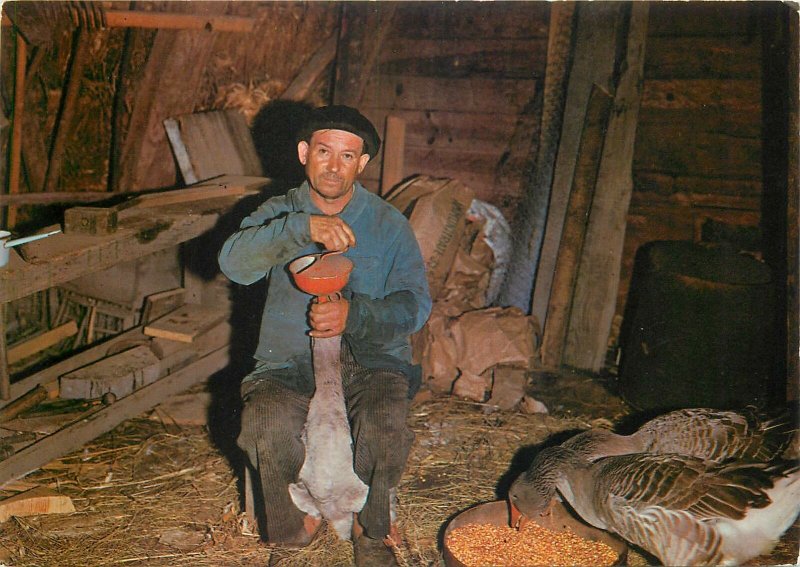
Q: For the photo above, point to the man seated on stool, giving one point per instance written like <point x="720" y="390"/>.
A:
<point x="385" y="301"/>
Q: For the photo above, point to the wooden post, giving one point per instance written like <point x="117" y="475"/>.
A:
<point x="572" y="238"/>
<point x="394" y="145"/>
<point x="595" y="297"/>
<point x="302" y="83"/>
<point x="16" y="129"/>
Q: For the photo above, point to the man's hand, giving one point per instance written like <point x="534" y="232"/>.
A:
<point x="328" y="319"/>
<point x="332" y="232"/>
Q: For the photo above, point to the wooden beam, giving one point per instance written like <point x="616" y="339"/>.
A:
<point x="16" y="126"/>
<point x="161" y="20"/>
<point x="599" y="26"/>
<point x="362" y="32"/>
<point x="531" y="218"/>
<point x="35" y="502"/>
<point x="105" y="418"/>
<point x="41" y="342"/>
<point x="300" y="87"/>
<point x="142" y="164"/>
<point x="573" y="234"/>
<point x="394" y="145"/>
<point x="595" y="297"/>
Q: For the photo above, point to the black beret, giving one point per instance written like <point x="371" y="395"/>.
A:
<point x="340" y="117"/>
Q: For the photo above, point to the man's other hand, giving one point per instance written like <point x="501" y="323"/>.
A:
<point x="332" y="232"/>
<point x="328" y="319"/>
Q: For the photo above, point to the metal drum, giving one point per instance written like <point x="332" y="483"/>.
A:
<point x="699" y="329"/>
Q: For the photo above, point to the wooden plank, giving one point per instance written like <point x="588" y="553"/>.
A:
<point x="120" y="374"/>
<point x="142" y="163"/>
<point x="35" y="502"/>
<point x="159" y="304"/>
<point x="50" y="374"/>
<point x="142" y="19"/>
<point x="37" y="344"/>
<point x="394" y="145"/>
<point x="735" y="193"/>
<point x="573" y="234"/>
<point x="68" y="257"/>
<point x="705" y="19"/>
<point x="740" y="95"/>
<point x="105" y="418"/>
<point x="216" y="142"/>
<point x="301" y="85"/>
<point x="453" y="58"/>
<point x="682" y="150"/>
<point x="468" y="20"/>
<point x="593" y="57"/>
<point x="185" y="323"/>
<point x="463" y="131"/>
<point x="472" y="94"/>
<point x="15" y="152"/>
<point x="364" y="28"/>
<point x="709" y="120"/>
<point x="595" y="296"/>
<point x="731" y="57"/>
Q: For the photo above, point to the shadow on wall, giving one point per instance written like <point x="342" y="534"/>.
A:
<point x="274" y="132"/>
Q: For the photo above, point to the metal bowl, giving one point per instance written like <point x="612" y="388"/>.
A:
<point x="497" y="514"/>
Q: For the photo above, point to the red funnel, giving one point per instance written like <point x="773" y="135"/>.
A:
<point x="324" y="275"/>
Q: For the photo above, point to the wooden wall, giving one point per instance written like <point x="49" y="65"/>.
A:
<point x="465" y="77"/>
<point x="698" y="143"/>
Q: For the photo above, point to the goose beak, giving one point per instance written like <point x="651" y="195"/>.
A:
<point x="518" y="519"/>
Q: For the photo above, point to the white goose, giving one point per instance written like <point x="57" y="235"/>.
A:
<point x="683" y="510"/>
<point x="704" y="433"/>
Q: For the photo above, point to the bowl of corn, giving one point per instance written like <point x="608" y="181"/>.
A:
<point x="481" y="536"/>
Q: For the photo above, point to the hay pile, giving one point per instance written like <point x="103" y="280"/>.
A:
<point x="151" y="493"/>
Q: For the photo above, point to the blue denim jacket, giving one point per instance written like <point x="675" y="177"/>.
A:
<point x="387" y="290"/>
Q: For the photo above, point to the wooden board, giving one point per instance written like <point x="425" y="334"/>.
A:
<point x="184" y="409"/>
<point x="47" y="339"/>
<point x="185" y="323"/>
<point x="106" y="418"/>
<point x="35" y="502"/>
<point x="596" y="37"/>
<point x="595" y="296"/>
<point x="572" y="237"/>
<point x="120" y="374"/>
<point x="216" y="143"/>
<point x="159" y="304"/>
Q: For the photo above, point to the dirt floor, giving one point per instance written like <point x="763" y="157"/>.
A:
<point x="152" y="492"/>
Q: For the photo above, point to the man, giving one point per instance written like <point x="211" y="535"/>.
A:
<point x="385" y="301"/>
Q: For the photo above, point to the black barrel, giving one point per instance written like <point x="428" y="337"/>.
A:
<point x="699" y="328"/>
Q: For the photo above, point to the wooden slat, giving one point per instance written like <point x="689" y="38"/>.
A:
<point x="217" y="143"/>
<point x="120" y="374"/>
<point x="732" y="57"/>
<point x="452" y="58"/>
<point x="394" y="145"/>
<point x="463" y="131"/>
<point x="715" y="19"/>
<point x="472" y="20"/>
<point x="301" y="85"/>
<point x="41" y="342"/>
<point x="142" y="19"/>
<point x="475" y="94"/>
<point x="573" y="234"/>
<point x="185" y="323"/>
<point x="685" y="151"/>
<point x="735" y="193"/>
<point x="104" y="419"/>
<point x="35" y="502"/>
<point x="740" y="95"/>
<point x="596" y="37"/>
<point x="595" y="296"/>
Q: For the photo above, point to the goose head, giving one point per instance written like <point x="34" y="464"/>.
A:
<point x="533" y="492"/>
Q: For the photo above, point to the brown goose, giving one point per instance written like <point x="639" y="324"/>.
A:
<point x="698" y="432"/>
<point x="683" y="510"/>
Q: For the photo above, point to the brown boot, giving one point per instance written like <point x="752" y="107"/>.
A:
<point x="370" y="552"/>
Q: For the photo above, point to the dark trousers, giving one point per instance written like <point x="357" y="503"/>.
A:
<point x="272" y="421"/>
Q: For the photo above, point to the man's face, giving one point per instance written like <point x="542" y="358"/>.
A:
<point x="333" y="160"/>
